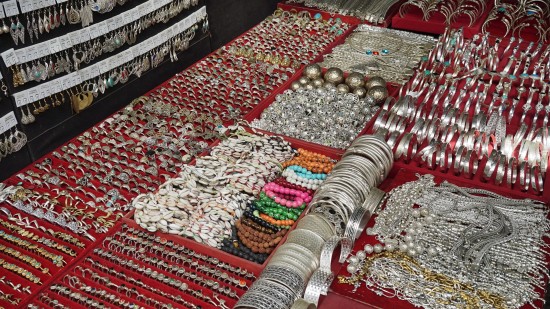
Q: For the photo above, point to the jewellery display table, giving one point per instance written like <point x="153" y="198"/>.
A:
<point x="112" y="262"/>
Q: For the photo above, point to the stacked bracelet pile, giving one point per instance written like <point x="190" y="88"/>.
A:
<point x="301" y="267"/>
<point x="278" y="207"/>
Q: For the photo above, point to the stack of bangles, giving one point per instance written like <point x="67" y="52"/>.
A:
<point x="278" y="207"/>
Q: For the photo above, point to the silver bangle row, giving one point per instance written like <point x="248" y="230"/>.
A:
<point x="338" y="212"/>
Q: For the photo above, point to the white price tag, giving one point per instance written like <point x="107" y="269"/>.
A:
<point x="94" y="71"/>
<point x="114" y="62"/>
<point x="74" y="37"/>
<point x="202" y="11"/>
<point x="10" y="7"/>
<point x="111" y="24"/>
<point x="118" y="21"/>
<point x="85" y="35"/>
<point x="158" y="39"/>
<point x="169" y="33"/>
<point x="26" y="5"/>
<point x="42" y="50"/>
<point x="148" y="45"/>
<point x="2" y="14"/>
<point x="41" y="4"/>
<point x="65" y="82"/>
<point x="65" y="42"/>
<point x="103" y="66"/>
<point x="9" y="120"/>
<point x="56" y="85"/>
<point x="156" y="4"/>
<point x="75" y="79"/>
<point x="44" y="90"/>
<point x="150" y="6"/>
<point x="22" y="55"/>
<point x="61" y="1"/>
<point x="134" y="13"/>
<point x="94" y="31"/>
<point x="50" y="2"/>
<point x="127" y="55"/>
<point x="83" y="73"/>
<point x="33" y="94"/>
<point x="55" y="45"/>
<point x="127" y="17"/>
<point x="142" y="9"/>
<point x="103" y="28"/>
<point x="136" y="50"/>
<point x="9" y="57"/>
<point x="31" y="52"/>
<point x="21" y="98"/>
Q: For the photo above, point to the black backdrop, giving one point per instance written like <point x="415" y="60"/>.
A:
<point x="227" y="19"/>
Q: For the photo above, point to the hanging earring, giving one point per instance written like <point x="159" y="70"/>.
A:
<point x="14" y="32"/>
<point x="63" y="15"/>
<point x="8" y="144"/>
<point x="20" y="139"/>
<point x="34" y="27"/>
<point x="21" y="31"/>
<point x="24" y="118"/>
<point x="29" y="25"/>
<point x="35" y="111"/>
<point x="86" y="14"/>
<point x="5" y="28"/>
<point x="30" y="116"/>
<point x="51" y="68"/>
<point x="4" y="88"/>
<point x="46" y="21"/>
<point x="73" y="17"/>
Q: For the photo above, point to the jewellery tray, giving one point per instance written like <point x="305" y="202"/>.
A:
<point x="342" y="293"/>
<point x="413" y="21"/>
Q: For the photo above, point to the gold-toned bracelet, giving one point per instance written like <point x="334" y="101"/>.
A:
<point x="57" y="260"/>
<point x="43" y="240"/>
<point x="25" y="258"/>
<point x="20" y="271"/>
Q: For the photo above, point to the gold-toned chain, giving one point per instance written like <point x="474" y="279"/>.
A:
<point x="54" y="258"/>
<point x="470" y="295"/>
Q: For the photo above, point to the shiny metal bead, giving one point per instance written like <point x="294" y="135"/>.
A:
<point x="303" y="80"/>
<point x="313" y="71"/>
<point x="318" y="82"/>
<point x="343" y="88"/>
<point x="360" y="92"/>
<point x="295" y="85"/>
<point x="378" y="93"/>
<point x="355" y="80"/>
<point x="334" y="76"/>
<point x="375" y="81"/>
<point x="329" y="86"/>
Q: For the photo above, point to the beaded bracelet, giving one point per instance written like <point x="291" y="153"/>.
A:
<point x="304" y="173"/>
<point x="283" y="182"/>
<point x="271" y="189"/>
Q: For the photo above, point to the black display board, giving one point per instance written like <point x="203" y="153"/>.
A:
<point x="227" y="20"/>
